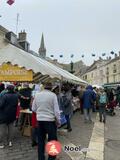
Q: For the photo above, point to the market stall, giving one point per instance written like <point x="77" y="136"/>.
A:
<point x="19" y="65"/>
<point x="17" y="56"/>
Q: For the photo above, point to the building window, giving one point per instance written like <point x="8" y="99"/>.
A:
<point x="114" y="78"/>
<point x="107" y="70"/>
<point x="92" y="75"/>
<point x="114" y="68"/>
<point x="101" y="72"/>
<point x="107" y="79"/>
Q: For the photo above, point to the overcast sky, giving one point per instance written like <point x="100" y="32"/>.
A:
<point x="69" y="26"/>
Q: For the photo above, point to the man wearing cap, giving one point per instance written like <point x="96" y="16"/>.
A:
<point x="45" y="105"/>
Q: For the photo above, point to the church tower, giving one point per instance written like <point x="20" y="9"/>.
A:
<point x="42" y="49"/>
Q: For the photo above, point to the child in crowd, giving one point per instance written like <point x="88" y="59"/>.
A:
<point x="102" y="105"/>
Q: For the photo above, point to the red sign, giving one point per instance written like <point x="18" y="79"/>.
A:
<point x="10" y="2"/>
<point x="53" y="148"/>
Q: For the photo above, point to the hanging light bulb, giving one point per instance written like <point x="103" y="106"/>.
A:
<point x="10" y="2"/>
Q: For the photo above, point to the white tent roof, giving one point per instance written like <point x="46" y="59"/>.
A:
<point x="15" y="55"/>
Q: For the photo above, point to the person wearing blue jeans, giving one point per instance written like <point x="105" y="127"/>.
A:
<point x="67" y="117"/>
<point x="88" y="98"/>
<point x="66" y="104"/>
<point x="102" y="113"/>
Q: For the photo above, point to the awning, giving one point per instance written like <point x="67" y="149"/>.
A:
<point x="15" y="55"/>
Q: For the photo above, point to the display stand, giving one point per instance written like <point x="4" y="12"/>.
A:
<point x="26" y="128"/>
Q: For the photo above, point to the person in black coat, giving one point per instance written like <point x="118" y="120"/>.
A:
<point x="2" y="87"/>
<point x="8" y="108"/>
<point x="25" y="94"/>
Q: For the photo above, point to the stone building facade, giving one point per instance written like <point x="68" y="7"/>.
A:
<point x="3" y="32"/>
<point x="103" y="71"/>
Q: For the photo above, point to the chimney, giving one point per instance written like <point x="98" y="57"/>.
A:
<point x="11" y="37"/>
<point x="22" y="40"/>
<point x="109" y="58"/>
<point x="55" y="61"/>
<point x="119" y="53"/>
<point x="22" y="36"/>
<point x="115" y="55"/>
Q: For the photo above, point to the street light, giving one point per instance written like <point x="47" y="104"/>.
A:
<point x="71" y="64"/>
<point x="71" y="67"/>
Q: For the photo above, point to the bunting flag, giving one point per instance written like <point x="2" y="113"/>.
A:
<point x="93" y="55"/>
<point x="112" y="52"/>
<point x="72" y="55"/>
<point x="82" y="55"/>
<point x="10" y="2"/>
<point x="61" y="56"/>
<point x="52" y="55"/>
<point x="103" y="54"/>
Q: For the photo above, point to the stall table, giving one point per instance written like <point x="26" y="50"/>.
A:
<point x="26" y="128"/>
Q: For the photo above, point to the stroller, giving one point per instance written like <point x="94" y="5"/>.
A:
<point x="110" y="108"/>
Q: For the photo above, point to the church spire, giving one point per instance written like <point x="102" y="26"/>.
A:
<point x="42" y="49"/>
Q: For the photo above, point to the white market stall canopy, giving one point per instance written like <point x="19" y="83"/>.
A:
<point x="15" y="55"/>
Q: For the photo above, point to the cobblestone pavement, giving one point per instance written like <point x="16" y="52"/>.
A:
<point x="22" y="149"/>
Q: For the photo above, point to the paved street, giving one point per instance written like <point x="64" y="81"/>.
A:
<point x="112" y="137"/>
<point x="22" y="149"/>
<point x="84" y="135"/>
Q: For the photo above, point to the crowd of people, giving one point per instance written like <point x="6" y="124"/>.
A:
<point x="46" y="104"/>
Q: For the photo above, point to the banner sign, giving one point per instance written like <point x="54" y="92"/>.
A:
<point x="10" y="72"/>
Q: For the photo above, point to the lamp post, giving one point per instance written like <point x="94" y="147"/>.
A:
<point x="72" y="64"/>
<point x="71" y="67"/>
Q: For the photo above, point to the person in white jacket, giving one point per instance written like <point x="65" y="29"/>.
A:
<point x="45" y="104"/>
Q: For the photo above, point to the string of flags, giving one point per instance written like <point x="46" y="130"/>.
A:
<point x="10" y="2"/>
<point x="93" y="55"/>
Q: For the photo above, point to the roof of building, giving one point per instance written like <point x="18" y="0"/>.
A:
<point x="94" y="65"/>
<point x="113" y="60"/>
<point x="3" y="29"/>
